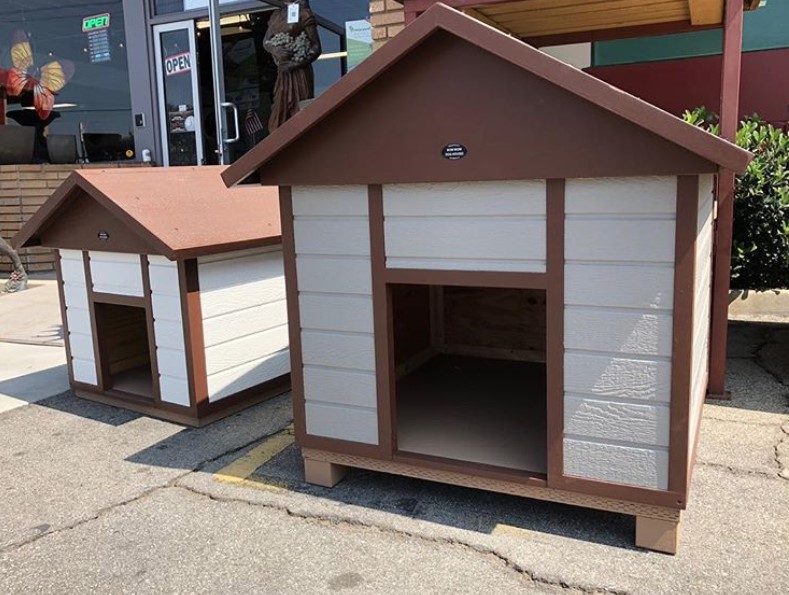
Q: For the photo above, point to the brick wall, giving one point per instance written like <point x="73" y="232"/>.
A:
<point x="387" y="18"/>
<point x="23" y="189"/>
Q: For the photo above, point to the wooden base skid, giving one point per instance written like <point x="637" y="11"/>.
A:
<point x="657" y="528"/>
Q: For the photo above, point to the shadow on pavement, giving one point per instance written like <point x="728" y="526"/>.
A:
<point x="69" y="403"/>
<point x="454" y="506"/>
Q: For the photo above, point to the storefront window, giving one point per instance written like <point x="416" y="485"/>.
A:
<point x="64" y="72"/>
<point x="172" y="6"/>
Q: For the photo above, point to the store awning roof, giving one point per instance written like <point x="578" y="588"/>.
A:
<point x="534" y="20"/>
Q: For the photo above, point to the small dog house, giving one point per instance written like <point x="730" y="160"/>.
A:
<point x="498" y="274"/>
<point x="172" y="290"/>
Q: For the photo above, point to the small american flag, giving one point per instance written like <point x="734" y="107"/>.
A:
<point x="252" y="123"/>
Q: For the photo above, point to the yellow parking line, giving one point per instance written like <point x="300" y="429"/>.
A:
<point x="239" y="470"/>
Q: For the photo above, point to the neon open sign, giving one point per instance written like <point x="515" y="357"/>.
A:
<point x="99" y="21"/>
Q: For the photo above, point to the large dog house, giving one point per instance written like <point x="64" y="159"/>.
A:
<point x="172" y="290"/>
<point x="498" y="275"/>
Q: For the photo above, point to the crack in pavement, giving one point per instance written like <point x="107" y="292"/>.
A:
<point x="15" y="545"/>
<point x="337" y="520"/>
<point x="783" y="469"/>
<point x="738" y="471"/>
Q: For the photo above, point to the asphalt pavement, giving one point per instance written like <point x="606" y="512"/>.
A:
<point x="98" y="499"/>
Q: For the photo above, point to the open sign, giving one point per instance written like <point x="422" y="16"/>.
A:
<point x="177" y="64"/>
<point x="99" y="21"/>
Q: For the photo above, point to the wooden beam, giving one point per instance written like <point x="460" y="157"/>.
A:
<point x="473" y="12"/>
<point x="706" y="12"/>
<point x="730" y="116"/>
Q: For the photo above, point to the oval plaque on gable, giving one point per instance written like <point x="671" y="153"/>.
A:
<point x="454" y="151"/>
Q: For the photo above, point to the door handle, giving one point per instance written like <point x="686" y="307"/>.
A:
<point x="237" y="137"/>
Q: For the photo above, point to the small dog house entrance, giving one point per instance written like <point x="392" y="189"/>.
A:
<point x="470" y="367"/>
<point x="124" y="349"/>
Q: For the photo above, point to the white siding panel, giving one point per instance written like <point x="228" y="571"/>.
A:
<point x="334" y="275"/>
<point x="174" y="390"/>
<point x="229" y="327"/>
<point x="336" y="312"/>
<point x="335" y="287"/>
<point x="617" y="377"/>
<point x="330" y="201"/>
<point x="238" y="352"/>
<point x="343" y="423"/>
<point x="618" y="331"/>
<point x="230" y="382"/>
<point x="338" y="350"/>
<point x="615" y="420"/>
<point x="84" y="371"/>
<point x="242" y="298"/>
<point x="76" y="296"/>
<point x="473" y="238"/>
<point x="168" y="331"/>
<point x="80" y="336"/>
<point x="333" y="236"/>
<point x="246" y="295"/>
<point x="340" y="387"/>
<point x="116" y="273"/>
<point x="636" y="240"/>
<point x="81" y="346"/>
<point x="614" y="196"/>
<point x="621" y="286"/>
<point x="470" y="199"/>
<point x="642" y="467"/>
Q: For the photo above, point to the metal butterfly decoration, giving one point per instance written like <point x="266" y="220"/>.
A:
<point x="44" y="82"/>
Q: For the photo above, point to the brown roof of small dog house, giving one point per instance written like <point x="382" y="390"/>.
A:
<point x="451" y="83"/>
<point x="176" y="212"/>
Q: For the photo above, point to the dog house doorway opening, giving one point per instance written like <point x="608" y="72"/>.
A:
<point x="470" y="367"/>
<point x="124" y="349"/>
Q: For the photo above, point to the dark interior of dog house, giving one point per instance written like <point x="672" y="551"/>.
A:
<point x="124" y="349"/>
<point x="470" y="370"/>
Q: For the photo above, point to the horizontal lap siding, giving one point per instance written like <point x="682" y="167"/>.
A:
<point x="116" y="273"/>
<point x="168" y="330"/>
<point x="80" y="333"/>
<point x="619" y="286"/>
<point x="333" y="267"/>
<point x="702" y="304"/>
<point x="245" y="320"/>
<point x="479" y="226"/>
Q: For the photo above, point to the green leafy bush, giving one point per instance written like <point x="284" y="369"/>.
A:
<point x="760" y="252"/>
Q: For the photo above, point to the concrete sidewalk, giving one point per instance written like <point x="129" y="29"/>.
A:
<point x="96" y="498"/>
<point x="32" y="352"/>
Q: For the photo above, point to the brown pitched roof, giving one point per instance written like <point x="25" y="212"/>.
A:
<point x="180" y="212"/>
<point x="440" y="18"/>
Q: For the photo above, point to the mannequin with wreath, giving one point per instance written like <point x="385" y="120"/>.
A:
<point x="294" y="47"/>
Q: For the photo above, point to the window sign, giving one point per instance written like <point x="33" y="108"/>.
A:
<point x="99" y="21"/>
<point x="359" y="41"/>
<point x="178" y="64"/>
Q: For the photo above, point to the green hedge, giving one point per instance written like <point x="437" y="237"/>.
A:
<point x="760" y="253"/>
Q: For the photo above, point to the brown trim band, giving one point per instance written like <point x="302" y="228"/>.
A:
<point x="147" y="297"/>
<point x="622" y="492"/>
<point x="682" y="338"/>
<point x="192" y="319"/>
<point x="506" y="280"/>
<point x="555" y="328"/>
<point x="62" y="299"/>
<point x="294" y="316"/>
<point x="382" y="325"/>
<point x="119" y="300"/>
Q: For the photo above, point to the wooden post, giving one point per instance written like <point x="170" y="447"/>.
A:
<point x="730" y="108"/>
<point x="322" y="473"/>
<point x="657" y="534"/>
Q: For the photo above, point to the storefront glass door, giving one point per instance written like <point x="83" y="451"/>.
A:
<point x="177" y="75"/>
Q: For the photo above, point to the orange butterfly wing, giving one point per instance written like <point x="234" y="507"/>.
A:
<point x="43" y="100"/>
<point x="55" y="75"/>
<point x="21" y="52"/>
